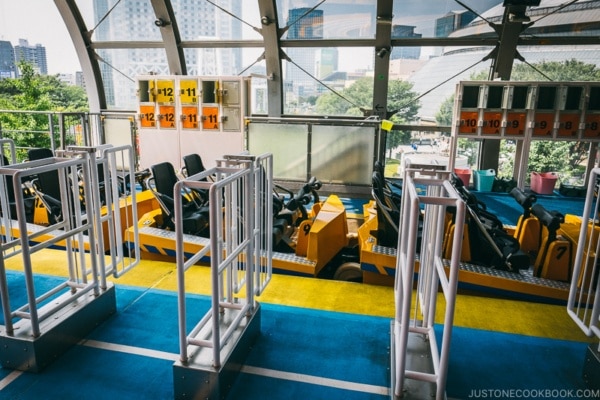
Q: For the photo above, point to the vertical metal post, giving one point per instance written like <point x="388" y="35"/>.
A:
<point x="431" y="274"/>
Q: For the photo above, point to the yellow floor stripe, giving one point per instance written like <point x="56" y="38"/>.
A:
<point x="500" y="315"/>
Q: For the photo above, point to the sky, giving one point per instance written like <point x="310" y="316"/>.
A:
<point x="39" y="21"/>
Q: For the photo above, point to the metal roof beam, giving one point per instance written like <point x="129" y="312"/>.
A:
<point x="271" y="35"/>
<point x="382" y="51"/>
<point x="167" y="23"/>
<point x="88" y="58"/>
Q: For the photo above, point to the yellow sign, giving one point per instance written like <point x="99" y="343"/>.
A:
<point x="167" y="117"/>
<point x="188" y="91"/>
<point x="189" y="117"/>
<point x="387" y="125"/>
<point x="569" y="125"/>
<point x="147" y="117"/>
<point x="210" y="117"/>
<point x="544" y="123"/>
<point x="468" y="122"/>
<point x="492" y="122"/>
<point x="165" y="91"/>
<point x="515" y="123"/>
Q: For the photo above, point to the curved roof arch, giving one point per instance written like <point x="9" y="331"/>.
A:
<point x="292" y="46"/>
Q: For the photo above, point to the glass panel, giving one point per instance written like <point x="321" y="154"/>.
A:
<point x="313" y="72"/>
<point x="119" y="69"/>
<point x="288" y="144"/>
<point x="259" y="97"/>
<point x="560" y="63"/>
<point x="87" y="10"/>
<point x="342" y="19"/>
<point x="569" y="159"/>
<point x="199" y="20"/>
<point x="432" y="150"/>
<point x="431" y="79"/>
<point x="439" y="18"/>
<point x="128" y="20"/>
<point x="584" y="14"/>
<point x="343" y="154"/>
<point x="223" y="61"/>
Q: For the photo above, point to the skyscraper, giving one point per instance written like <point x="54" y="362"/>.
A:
<point x="453" y="21"/>
<point x="405" y="31"/>
<point x="309" y="26"/>
<point x="8" y="68"/>
<point x="35" y="55"/>
<point x="195" y="20"/>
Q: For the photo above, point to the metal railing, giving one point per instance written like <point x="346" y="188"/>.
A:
<point x="112" y="174"/>
<point x="584" y="301"/>
<point x="419" y="318"/>
<point x="262" y="235"/>
<point x="233" y="204"/>
<point x="74" y="231"/>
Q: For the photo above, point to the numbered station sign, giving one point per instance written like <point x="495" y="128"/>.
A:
<point x="167" y="117"/>
<point x="543" y="124"/>
<point x="210" y="118"/>
<point x="492" y="123"/>
<point x="165" y="91"/>
<point x="568" y="125"/>
<point x="189" y="117"/>
<point x="188" y="91"/>
<point x="515" y="124"/>
<point x="592" y="126"/>
<point x="468" y="122"/>
<point x="147" y="116"/>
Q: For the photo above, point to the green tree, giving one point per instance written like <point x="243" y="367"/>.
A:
<point x="359" y="96"/>
<point x="35" y="92"/>
<point x="444" y="115"/>
<point x="563" y="156"/>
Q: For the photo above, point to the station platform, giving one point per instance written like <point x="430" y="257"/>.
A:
<point x="320" y="339"/>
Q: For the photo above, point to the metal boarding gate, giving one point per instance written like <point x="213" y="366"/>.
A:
<point x="50" y="322"/>
<point x="214" y="349"/>
<point x="112" y="171"/>
<point x="584" y="301"/>
<point x="415" y="322"/>
<point x="263" y="201"/>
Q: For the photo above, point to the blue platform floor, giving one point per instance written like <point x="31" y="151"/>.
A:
<point x="301" y="353"/>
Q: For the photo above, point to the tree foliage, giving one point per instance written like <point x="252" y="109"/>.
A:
<point x="444" y="115"/>
<point x="359" y="96"/>
<point x="35" y="92"/>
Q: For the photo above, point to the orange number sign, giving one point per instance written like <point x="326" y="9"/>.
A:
<point x="189" y="117"/>
<point x="492" y="122"/>
<point x="592" y="126"/>
<point x="167" y="117"/>
<point x="468" y="122"/>
<point x="210" y="117"/>
<point x="569" y="125"/>
<point x="544" y="123"/>
<point x="515" y="124"/>
<point x="147" y="117"/>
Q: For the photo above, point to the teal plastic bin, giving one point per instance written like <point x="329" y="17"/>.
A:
<point x="484" y="180"/>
